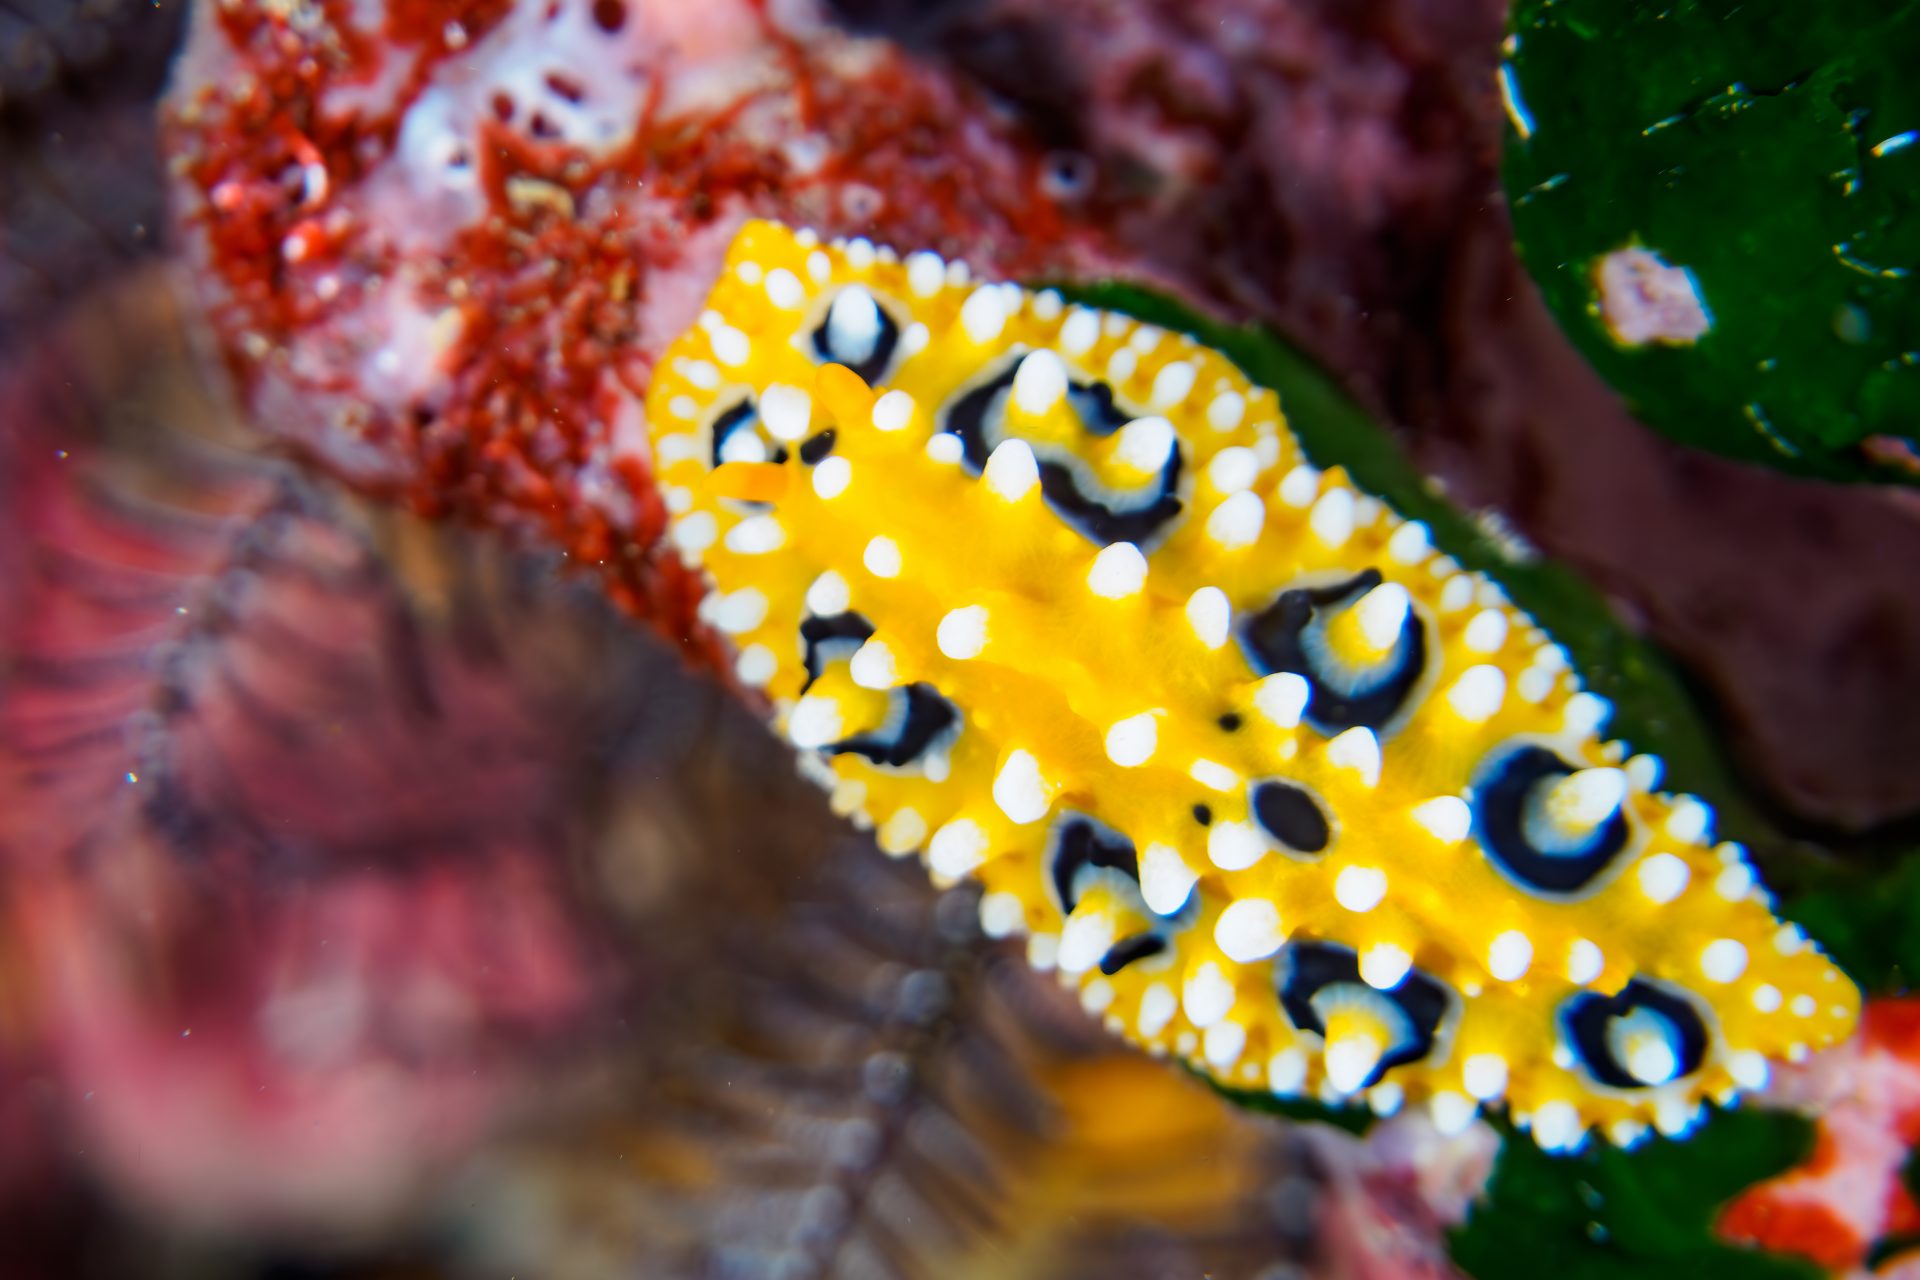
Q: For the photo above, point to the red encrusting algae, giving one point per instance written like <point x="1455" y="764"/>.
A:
<point x="1851" y="1193"/>
<point x="563" y="231"/>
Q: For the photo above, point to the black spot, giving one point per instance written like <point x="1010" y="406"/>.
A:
<point x="873" y="366"/>
<point x="1078" y="843"/>
<point x="1275" y="640"/>
<point x="1231" y="721"/>
<point x="1586" y="1017"/>
<point x="918" y="716"/>
<point x="1203" y="814"/>
<point x="1308" y="968"/>
<point x="829" y="639"/>
<point x="1127" y="950"/>
<point x="1501" y="799"/>
<point x="815" y="448"/>
<point x="1291" y="816"/>
<point x="1137" y="521"/>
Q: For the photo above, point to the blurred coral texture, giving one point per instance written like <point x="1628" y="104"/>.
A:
<point x="386" y="895"/>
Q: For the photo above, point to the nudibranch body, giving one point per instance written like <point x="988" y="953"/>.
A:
<point x="1054" y="596"/>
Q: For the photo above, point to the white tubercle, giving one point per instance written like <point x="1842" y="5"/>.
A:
<point x="1409" y="544"/>
<point x="1487" y="633"/>
<point x="1282" y="698"/>
<point x="962" y="633"/>
<point x="1580" y="801"/>
<point x="828" y="595"/>
<point x="1359" y="750"/>
<point x="1381" y="614"/>
<point x="1022" y="794"/>
<point x="926" y="273"/>
<point x="872" y="666"/>
<point x="1484" y="1075"/>
<point x="956" y="848"/>
<point x="1131" y="742"/>
<point x="1642" y="1042"/>
<point x="1663" y="877"/>
<point x="1446" y="818"/>
<point x="1234" y="846"/>
<point x="1011" y="471"/>
<point x="786" y="411"/>
<point x="984" y="314"/>
<point x="1557" y="1126"/>
<point x="1477" y="695"/>
<point x="1118" y="571"/>
<point x="784" y="289"/>
<point x="740" y="611"/>
<point x="1723" y="960"/>
<point x="756" y="536"/>
<point x="1249" y="929"/>
<point x="1384" y="965"/>
<point x="1225" y="411"/>
<point x="1510" y="956"/>
<point x="1165" y="879"/>
<point x="1287" y="1071"/>
<point x="831" y="477"/>
<point x="730" y="346"/>
<point x="1146" y="444"/>
<point x="1088" y="936"/>
<point x="1158" y="1004"/>
<point x="1210" y="614"/>
<point x="1360" y="889"/>
<point x="1223" y="1044"/>
<point x="1233" y="469"/>
<point x="1079" y="331"/>
<point x="1213" y="774"/>
<point x="814" y="722"/>
<point x="893" y="411"/>
<point x="1300" y="486"/>
<point x="882" y="557"/>
<point x="1039" y="383"/>
<point x="1585" y="961"/>
<point x="1332" y="517"/>
<point x="1350" y="1060"/>
<point x="1207" y="995"/>
<point x="854" y="324"/>
<point x="1172" y="384"/>
<point x="1238" y="520"/>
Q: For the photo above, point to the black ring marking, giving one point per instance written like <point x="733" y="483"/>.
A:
<point x="1127" y="950"/>
<point x="741" y="416"/>
<point x="1274" y="641"/>
<point x="1078" y="843"/>
<point x="1308" y="968"/>
<point x="917" y="716"/>
<point x="1093" y="403"/>
<point x="875" y="367"/>
<point x="815" y="448"/>
<point x="831" y="639"/>
<point x="1586" y="1016"/>
<point x="1500" y="824"/>
<point x="1291" y="815"/>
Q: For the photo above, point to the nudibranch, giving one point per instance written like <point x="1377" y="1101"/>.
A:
<point x="1054" y="597"/>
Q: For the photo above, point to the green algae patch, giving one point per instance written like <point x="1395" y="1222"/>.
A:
<point x="1720" y="202"/>
<point x="1606" y="1214"/>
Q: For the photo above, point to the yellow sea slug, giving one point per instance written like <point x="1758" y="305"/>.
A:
<point x="1052" y="597"/>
